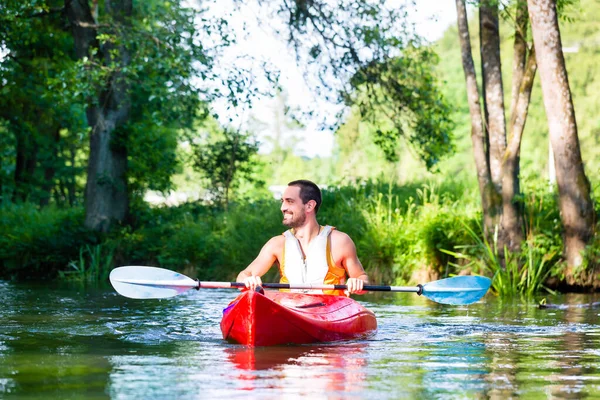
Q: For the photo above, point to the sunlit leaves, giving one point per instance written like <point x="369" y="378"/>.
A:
<point x="367" y="55"/>
<point x="43" y="124"/>
<point x="164" y="55"/>
<point x="401" y="98"/>
<point x="225" y="158"/>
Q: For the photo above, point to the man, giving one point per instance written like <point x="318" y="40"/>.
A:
<point x="307" y="252"/>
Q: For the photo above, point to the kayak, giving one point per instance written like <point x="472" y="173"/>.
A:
<point x="273" y="317"/>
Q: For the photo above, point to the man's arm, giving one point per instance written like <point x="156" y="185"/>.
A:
<point x="344" y="250"/>
<point x="262" y="263"/>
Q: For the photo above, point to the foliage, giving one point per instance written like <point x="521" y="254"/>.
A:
<point x="7" y="168"/>
<point x="367" y="53"/>
<point x="401" y="98"/>
<point x="209" y="242"/>
<point x="45" y="90"/>
<point x="189" y="229"/>
<point x="94" y="264"/>
<point x="46" y="125"/>
<point x="525" y="273"/>
<point x="528" y="272"/>
<point x="394" y="227"/>
<point x="172" y="62"/>
<point x="398" y="231"/>
<point x="226" y="159"/>
<point x="37" y="243"/>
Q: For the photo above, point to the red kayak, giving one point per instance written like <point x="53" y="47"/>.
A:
<point x="274" y="318"/>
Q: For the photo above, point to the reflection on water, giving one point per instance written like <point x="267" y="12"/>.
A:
<point x="315" y="371"/>
<point x="65" y="342"/>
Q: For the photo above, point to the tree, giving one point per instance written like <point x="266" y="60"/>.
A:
<point x="106" y="195"/>
<point x="576" y="207"/>
<point x="135" y="77"/>
<point x="524" y="69"/>
<point x="137" y="66"/>
<point x="496" y="159"/>
<point x="42" y="120"/>
<point x="365" y="54"/>
<point x="225" y="159"/>
<point x="489" y="195"/>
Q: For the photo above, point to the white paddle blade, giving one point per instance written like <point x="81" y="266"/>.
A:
<point x="149" y="282"/>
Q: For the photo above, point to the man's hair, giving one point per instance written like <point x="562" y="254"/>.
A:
<point x="308" y="191"/>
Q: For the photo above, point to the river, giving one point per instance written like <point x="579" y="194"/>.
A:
<point x="65" y="341"/>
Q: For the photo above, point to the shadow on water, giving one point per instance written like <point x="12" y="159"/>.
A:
<point x="61" y="342"/>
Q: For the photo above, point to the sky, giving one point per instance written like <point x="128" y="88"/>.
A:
<point x="431" y="19"/>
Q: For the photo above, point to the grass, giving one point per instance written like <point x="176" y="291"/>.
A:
<point x="94" y="264"/>
<point x="518" y="274"/>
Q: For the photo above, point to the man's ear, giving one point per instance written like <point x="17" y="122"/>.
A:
<point x="311" y="204"/>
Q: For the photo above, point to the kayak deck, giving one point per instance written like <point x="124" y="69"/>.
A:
<point x="274" y="318"/>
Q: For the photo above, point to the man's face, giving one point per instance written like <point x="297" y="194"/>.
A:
<point x="294" y="213"/>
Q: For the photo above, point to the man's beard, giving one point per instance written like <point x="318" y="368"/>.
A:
<point x="295" y="222"/>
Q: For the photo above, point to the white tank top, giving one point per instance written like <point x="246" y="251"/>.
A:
<point x="311" y="269"/>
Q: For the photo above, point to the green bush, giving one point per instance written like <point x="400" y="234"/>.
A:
<point x="398" y="229"/>
<point x="214" y="243"/>
<point x="38" y="243"/>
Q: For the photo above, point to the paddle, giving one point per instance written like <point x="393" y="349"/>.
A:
<point x="157" y="283"/>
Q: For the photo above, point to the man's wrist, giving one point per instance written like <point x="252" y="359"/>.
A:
<point x="242" y="275"/>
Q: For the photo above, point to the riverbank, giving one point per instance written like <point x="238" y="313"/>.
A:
<point x="404" y="234"/>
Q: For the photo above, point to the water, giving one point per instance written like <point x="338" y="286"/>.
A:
<point x="71" y="342"/>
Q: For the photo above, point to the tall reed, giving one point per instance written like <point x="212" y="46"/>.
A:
<point x="94" y="264"/>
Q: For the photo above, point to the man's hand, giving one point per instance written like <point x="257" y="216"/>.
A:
<point x="354" y="286"/>
<point x="252" y="282"/>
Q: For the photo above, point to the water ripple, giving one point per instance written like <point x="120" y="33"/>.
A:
<point x="77" y="342"/>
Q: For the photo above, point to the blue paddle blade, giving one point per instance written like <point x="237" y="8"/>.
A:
<point x="459" y="290"/>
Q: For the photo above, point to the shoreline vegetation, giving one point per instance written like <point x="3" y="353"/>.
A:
<point x="406" y="234"/>
<point x="437" y="168"/>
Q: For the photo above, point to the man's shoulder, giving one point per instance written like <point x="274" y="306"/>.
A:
<point x="275" y="246"/>
<point x="276" y="241"/>
<point x="342" y="245"/>
<point x="339" y="236"/>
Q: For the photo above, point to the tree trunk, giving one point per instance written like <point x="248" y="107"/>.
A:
<point x="493" y="101"/>
<point x="551" y="169"/>
<point x="71" y="183"/>
<point x="522" y="84"/>
<point x="576" y="208"/>
<point x="106" y="195"/>
<point x="490" y="198"/>
<point x="26" y="159"/>
<point x="512" y="213"/>
<point x="50" y="167"/>
<point x="520" y="52"/>
<point x="491" y="73"/>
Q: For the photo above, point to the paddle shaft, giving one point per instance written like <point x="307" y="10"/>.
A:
<point x="367" y="288"/>
<point x="229" y="285"/>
